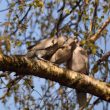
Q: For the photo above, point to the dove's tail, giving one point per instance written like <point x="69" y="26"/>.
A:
<point x="81" y="98"/>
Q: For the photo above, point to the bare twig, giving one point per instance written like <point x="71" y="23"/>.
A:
<point x="94" y="103"/>
<point x="92" y="24"/>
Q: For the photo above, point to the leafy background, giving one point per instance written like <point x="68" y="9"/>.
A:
<point x="23" y="22"/>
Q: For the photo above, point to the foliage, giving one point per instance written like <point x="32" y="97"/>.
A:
<point x="26" y="21"/>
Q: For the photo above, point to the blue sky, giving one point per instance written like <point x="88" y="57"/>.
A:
<point x="10" y="101"/>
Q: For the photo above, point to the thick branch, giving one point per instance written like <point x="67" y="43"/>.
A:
<point x="25" y="66"/>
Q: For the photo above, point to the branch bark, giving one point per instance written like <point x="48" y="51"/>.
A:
<point x="44" y="69"/>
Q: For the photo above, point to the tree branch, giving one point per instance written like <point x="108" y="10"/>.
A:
<point x="103" y="58"/>
<point x="44" y="69"/>
<point x="19" y="22"/>
<point x="97" y="35"/>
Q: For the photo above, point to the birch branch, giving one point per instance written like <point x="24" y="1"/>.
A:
<point x="45" y="69"/>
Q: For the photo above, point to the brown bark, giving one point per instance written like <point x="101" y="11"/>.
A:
<point x="47" y="70"/>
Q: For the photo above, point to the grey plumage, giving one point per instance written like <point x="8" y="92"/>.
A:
<point x="56" y="50"/>
<point x="60" y="50"/>
<point x="45" y="48"/>
<point x="79" y="63"/>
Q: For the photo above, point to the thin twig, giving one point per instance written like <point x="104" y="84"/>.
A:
<point x="11" y="84"/>
<point x="21" y="21"/>
<point x="94" y="103"/>
<point x="92" y="24"/>
<point x="104" y="57"/>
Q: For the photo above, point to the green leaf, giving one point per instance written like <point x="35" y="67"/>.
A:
<point x="38" y="3"/>
<point x="105" y="9"/>
<point x="18" y="43"/>
<point x="83" y="42"/>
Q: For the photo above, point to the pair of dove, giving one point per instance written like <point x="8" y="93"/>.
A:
<point x="60" y="50"/>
